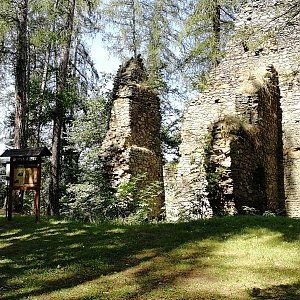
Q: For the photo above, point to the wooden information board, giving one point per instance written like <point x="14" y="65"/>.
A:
<point x="25" y="174"/>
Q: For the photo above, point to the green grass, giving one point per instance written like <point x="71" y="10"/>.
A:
<point x="224" y="258"/>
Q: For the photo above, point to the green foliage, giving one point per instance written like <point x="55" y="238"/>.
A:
<point x="249" y="210"/>
<point x="253" y="211"/>
<point x="81" y="147"/>
<point x="148" y="28"/>
<point x="39" y="111"/>
<point x="171" y="138"/>
<point x="122" y="26"/>
<point x="213" y="175"/>
<point x="134" y="200"/>
<point x="89" y="128"/>
<point x="268" y="213"/>
<point x="86" y="194"/>
<point x="202" y="81"/>
<point x="87" y="201"/>
<point x="90" y="197"/>
<point x="6" y="18"/>
<point x="94" y="201"/>
<point x="207" y="24"/>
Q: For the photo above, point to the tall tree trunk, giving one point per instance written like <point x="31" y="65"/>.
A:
<point x="20" y="137"/>
<point x="20" y="140"/>
<point x="133" y="29"/>
<point x="155" y="45"/>
<point x="59" y="114"/>
<point x="216" y="22"/>
<point x="44" y="80"/>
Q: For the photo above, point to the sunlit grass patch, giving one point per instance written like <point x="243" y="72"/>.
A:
<point x="227" y="258"/>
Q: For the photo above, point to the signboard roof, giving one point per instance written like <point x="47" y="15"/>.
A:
<point x="29" y="152"/>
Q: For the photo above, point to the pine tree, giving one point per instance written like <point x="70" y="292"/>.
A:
<point x="43" y="43"/>
<point x="70" y="79"/>
<point x="21" y="75"/>
<point x="207" y="25"/>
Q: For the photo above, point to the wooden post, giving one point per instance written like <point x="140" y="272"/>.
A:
<point x="38" y="191"/>
<point x="37" y="206"/>
<point x="10" y="191"/>
<point x="9" y="205"/>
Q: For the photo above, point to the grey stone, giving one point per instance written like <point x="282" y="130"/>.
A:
<point x="259" y="92"/>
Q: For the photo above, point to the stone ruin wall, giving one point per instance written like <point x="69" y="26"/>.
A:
<point x="238" y="88"/>
<point x="132" y="143"/>
<point x="258" y="167"/>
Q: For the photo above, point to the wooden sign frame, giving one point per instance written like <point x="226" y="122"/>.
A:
<point x="25" y="174"/>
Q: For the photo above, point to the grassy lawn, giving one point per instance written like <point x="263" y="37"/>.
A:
<point x="223" y="258"/>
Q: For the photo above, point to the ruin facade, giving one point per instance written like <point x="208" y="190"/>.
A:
<point x="132" y="146"/>
<point x="241" y="136"/>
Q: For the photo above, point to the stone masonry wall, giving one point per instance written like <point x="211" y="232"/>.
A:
<point x="170" y="175"/>
<point x="132" y="143"/>
<point x="261" y="186"/>
<point x="237" y="83"/>
<point x="243" y="157"/>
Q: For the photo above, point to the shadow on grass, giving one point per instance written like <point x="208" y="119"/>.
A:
<point x="54" y="255"/>
<point x="283" y="291"/>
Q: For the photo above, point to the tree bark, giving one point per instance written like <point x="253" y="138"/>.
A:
<point x="59" y="115"/>
<point x="133" y="29"/>
<point x="216" y="22"/>
<point x="21" y="76"/>
<point x="20" y="136"/>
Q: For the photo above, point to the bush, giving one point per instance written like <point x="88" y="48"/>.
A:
<point x="137" y="199"/>
<point x="87" y="202"/>
<point x="132" y="203"/>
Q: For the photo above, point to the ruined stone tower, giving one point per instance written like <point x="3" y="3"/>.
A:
<point x="241" y="136"/>
<point x="132" y="143"/>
